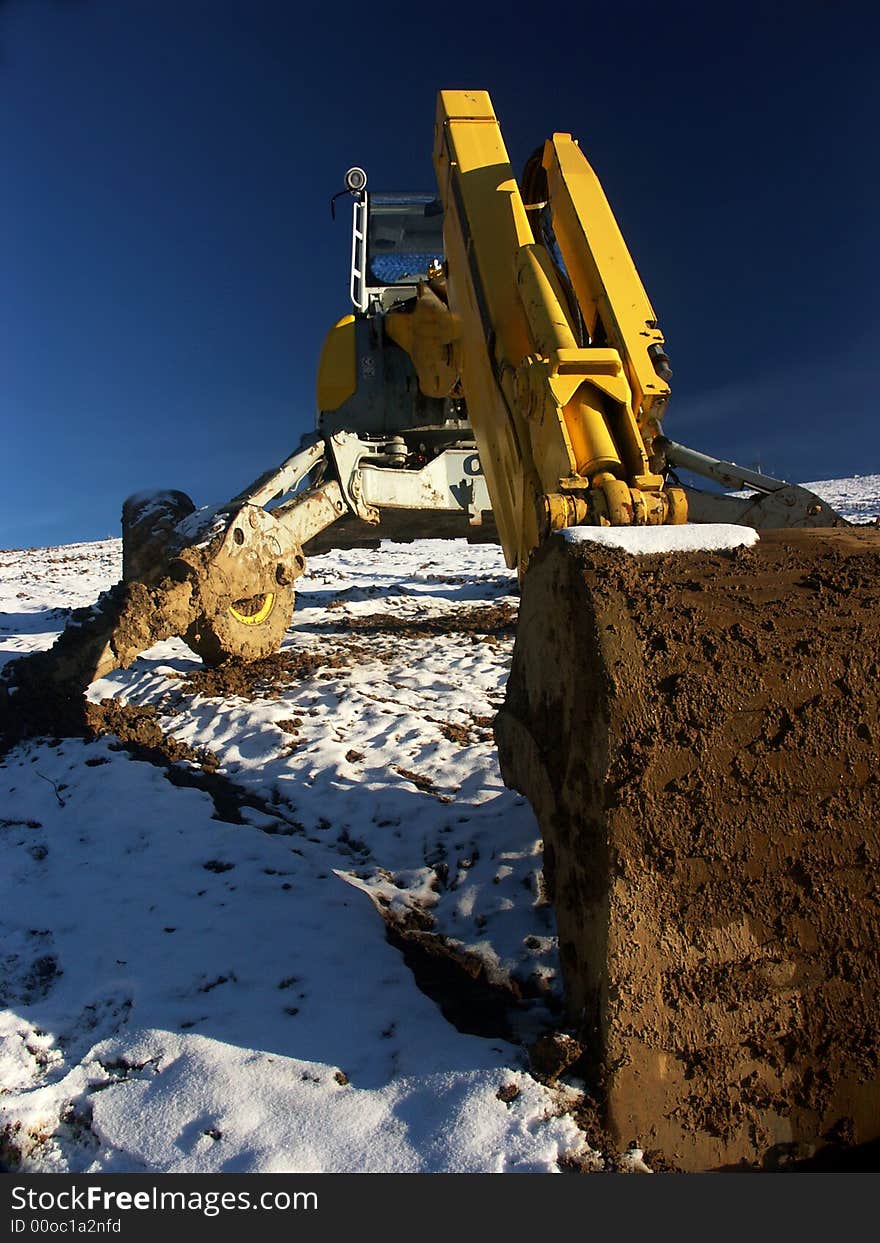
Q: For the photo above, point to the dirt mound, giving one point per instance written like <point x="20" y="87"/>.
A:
<point x="260" y="679"/>
<point x="698" y="734"/>
<point x="140" y="729"/>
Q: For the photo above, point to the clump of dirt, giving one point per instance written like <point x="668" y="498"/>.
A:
<point x="478" y="729"/>
<point x="261" y="679"/>
<point x="425" y="784"/>
<point x="454" y="732"/>
<point x="553" y="1054"/>
<point x="497" y="620"/>
<point x="697" y="733"/>
<point x="140" y="728"/>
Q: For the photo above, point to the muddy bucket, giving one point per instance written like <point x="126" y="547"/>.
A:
<point x="698" y="735"/>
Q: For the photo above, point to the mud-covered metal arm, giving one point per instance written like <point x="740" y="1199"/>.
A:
<point x="284" y="478"/>
<point x="772" y="504"/>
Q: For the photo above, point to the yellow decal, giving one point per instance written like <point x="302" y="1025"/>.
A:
<point x="254" y="619"/>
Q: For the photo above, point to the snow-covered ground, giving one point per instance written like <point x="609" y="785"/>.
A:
<point x="856" y="499"/>
<point x="188" y="992"/>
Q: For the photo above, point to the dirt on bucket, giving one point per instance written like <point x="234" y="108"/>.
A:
<point x="698" y="734"/>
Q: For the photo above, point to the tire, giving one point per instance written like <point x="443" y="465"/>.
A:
<point x="247" y="630"/>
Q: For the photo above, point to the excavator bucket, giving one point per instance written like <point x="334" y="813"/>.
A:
<point x="698" y="735"/>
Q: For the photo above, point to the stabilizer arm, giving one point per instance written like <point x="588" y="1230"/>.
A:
<point x="773" y="503"/>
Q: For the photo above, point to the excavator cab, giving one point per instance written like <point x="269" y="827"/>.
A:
<point x="367" y="380"/>
<point x="404" y="245"/>
<point x="371" y="388"/>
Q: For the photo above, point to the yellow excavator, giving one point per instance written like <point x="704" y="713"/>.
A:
<point x="502" y="375"/>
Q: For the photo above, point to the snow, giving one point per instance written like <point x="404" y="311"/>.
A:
<point x="856" y="499"/>
<point x="689" y="537"/>
<point x="183" y="993"/>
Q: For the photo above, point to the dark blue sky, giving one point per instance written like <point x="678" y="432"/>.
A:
<point x="169" y="266"/>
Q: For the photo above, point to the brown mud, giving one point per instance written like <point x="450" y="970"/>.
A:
<point x="491" y="620"/>
<point x="261" y="679"/>
<point x="698" y="734"/>
<point x="42" y="693"/>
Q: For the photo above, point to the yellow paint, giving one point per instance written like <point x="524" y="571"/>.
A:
<point x="549" y="416"/>
<point x="255" y="619"/>
<point x="427" y="332"/>
<point x="601" y="269"/>
<point x="337" y="369"/>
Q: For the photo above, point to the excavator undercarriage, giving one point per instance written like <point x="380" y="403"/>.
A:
<point x="696" y="730"/>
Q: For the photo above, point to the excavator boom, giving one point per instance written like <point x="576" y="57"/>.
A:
<point x="564" y="408"/>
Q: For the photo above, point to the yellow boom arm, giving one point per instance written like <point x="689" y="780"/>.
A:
<point x="564" y="427"/>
